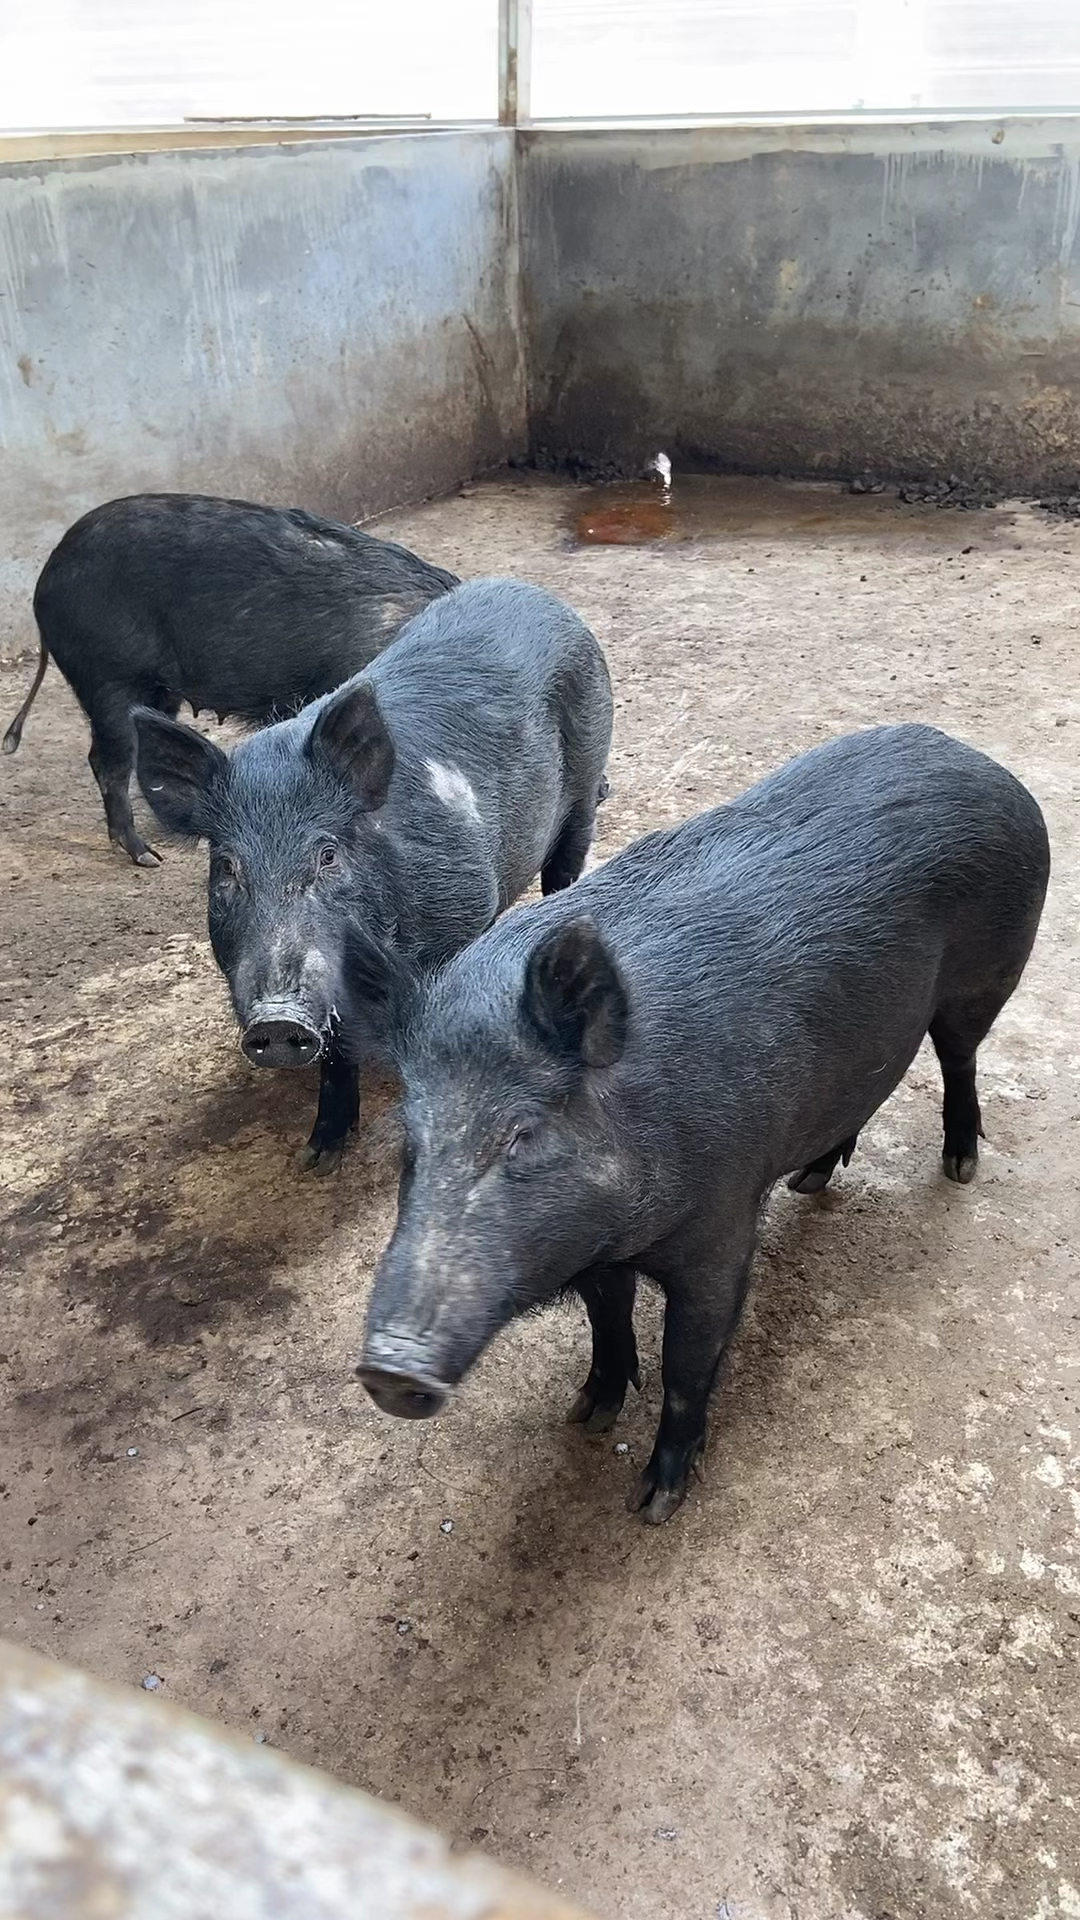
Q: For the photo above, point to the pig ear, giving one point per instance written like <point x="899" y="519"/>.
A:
<point x="350" y="736"/>
<point x="181" y="773"/>
<point x="574" y="997"/>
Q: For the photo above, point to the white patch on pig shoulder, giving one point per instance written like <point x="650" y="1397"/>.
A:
<point x="449" y="785"/>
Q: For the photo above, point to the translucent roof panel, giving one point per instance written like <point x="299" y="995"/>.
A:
<point x="104" y="63"/>
<point x="593" y="58"/>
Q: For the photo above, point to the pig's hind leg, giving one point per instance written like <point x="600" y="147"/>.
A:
<point x="704" y="1301"/>
<point x="112" y="760"/>
<point x="566" y="860"/>
<point x="956" y="1032"/>
<point x="816" y="1176"/>
<point x="608" y="1293"/>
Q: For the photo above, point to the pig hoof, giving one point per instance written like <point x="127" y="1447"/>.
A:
<point x="662" y="1505"/>
<point x="139" y="853"/>
<point x="595" y="1416"/>
<point x="810" y="1180"/>
<point x="655" y="1504"/>
<point x="601" y="1420"/>
<point x="320" y="1161"/>
<point x="961" y="1167"/>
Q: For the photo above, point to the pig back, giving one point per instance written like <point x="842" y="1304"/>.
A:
<point x="785" y="954"/>
<point x="499" y="702"/>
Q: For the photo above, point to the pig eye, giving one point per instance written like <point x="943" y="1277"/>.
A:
<point x="533" y="1149"/>
<point x="328" y="858"/>
<point x="225" y="868"/>
<point x="520" y="1152"/>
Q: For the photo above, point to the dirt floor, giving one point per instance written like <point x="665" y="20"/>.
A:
<point x="843" y="1681"/>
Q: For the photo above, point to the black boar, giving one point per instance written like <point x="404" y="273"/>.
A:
<point x="236" y="608"/>
<point x="609" y="1083"/>
<point x="363" y="842"/>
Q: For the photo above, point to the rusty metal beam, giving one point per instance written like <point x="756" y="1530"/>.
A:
<point x="117" y="1806"/>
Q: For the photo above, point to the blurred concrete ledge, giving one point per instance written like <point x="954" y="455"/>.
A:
<point x="117" y="1806"/>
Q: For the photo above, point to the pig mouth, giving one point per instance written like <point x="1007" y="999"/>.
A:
<point x="281" y="1033"/>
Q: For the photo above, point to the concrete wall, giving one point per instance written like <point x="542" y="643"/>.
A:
<point x="333" y="325"/>
<point x="116" y="1806"/>
<point x="897" y="298"/>
<point x="337" y="323"/>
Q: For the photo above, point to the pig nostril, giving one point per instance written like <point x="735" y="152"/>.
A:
<point x="281" y="1043"/>
<point x="402" y="1394"/>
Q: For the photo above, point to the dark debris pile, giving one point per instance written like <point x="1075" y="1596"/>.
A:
<point x="1065" y="505"/>
<point x="970" y="495"/>
<point x="583" y="468"/>
<point x="953" y="492"/>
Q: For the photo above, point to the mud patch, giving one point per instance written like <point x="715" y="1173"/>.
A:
<point x="716" y="507"/>
<point x="173" y="1297"/>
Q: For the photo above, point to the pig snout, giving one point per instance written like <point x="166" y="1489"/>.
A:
<point x="393" y="1371"/>
<point x="280" y="1034"/>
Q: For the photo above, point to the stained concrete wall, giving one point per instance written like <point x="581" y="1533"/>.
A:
<point x="346" y="324"/>
<point x="897" y="298"/>
<point x="331" y="325"/>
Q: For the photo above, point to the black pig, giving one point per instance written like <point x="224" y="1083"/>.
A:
<point x="367" y="839"/>
<point x="236" y="608"/>
<point x="609" y="1083"/>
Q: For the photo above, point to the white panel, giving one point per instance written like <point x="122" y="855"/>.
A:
<point x="597" y="57"/>
<point x="71" y="63"/>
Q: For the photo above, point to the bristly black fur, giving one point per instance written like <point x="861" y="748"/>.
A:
<point x="183" y="770"/>
<point x="352" y="738"/>
<point x="573" y="996"/>
<point x="760" y="978"/>
<point x="241" y="610"/>
<point x="355" y="848"/>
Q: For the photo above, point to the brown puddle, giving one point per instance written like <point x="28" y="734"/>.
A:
<point x="709" y="506"/>
<point x="626" y="522"/>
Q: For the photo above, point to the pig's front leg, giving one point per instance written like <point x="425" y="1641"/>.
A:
<point x="338" y="1115"/>
<point x="608" y="1293"/>
<point x="703" y="1306"/>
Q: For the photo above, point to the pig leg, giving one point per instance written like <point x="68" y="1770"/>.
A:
<point x="338" y="1115"/>
<point x="817" y="1175"/>
<point x="567" y="857"/>
<point x="956" y="1032"/>
<point x="608" y="1293"/>
<point x="703" y="1307"/>
<point x="112" y="759"/>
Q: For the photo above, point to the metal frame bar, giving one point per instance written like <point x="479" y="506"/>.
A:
<point x="515" y="63"/>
